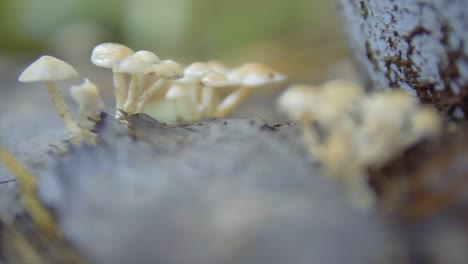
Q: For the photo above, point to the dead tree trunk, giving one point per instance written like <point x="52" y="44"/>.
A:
<point x="418" y="45"/>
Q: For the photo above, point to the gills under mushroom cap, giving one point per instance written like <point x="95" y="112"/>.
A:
<point x="47" y="68"/>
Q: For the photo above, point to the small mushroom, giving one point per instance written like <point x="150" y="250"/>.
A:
<point x="186" y="109"/>
<point x="166" y="69"/>
<point x="88" y="98"/>
<point x="218" y="67"/>
<point x="147" y="56"/>
<point x="137" y="68"/>
<point x="299" y="102"/>
<point x="197" y="69"/>
<point x="248" y="76"/>
<point x="210" y="82"/>
<point x="107" y="55"/>
<point x="49" y="69"/>
<point x="192" y="75"/>
<point x="338" y="100"/>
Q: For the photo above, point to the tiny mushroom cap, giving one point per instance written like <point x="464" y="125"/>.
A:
<point x="343" y="90"/>
<point x="146" y="56"/>
<point x="176" y="91"/>
<point x="338" y="98"/>
<point x="218" y="67"/>
<point x="197" y="69"/>
<point x="213" y="79"/>
<point x="133" y="66"/>
<point x="168" y="69"/>
<point x="254" y="74"/>
<point x="86" y="94"/>
<point x="298" y="100"/>
<point x="108" y="54"/>
<point x="47" y="68"/>
<point x="395" y="105"/>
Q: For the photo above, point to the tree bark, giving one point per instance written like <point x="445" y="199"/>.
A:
<point x="418" y="45"/>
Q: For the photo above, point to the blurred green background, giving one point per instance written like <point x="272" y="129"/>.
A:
<point x="299" y="37"/>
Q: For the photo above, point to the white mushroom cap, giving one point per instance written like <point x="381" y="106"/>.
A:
<point x="168" y="69"/>
<point x="197" y="69"/>
<point x="86" y="93"/>
<point x="338" y="99"/>
<point x="218" y="67"/>
<point x="254" y="74"/>
<point x="133" y="66"/>
<point x="47" y="68"/>
<point x="107" y="54"/>
<point x="213" y="79"/>
<point x="146" y="56"/>
<point x="176" y="91"/>
<point x="299" y="100"/>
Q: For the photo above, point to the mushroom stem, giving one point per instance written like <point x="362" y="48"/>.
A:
<point x="206" y="106"/>
<point x="120" y="89"/>
<point x="187" y="109"/>
<point x="232" y="100"/>
<point x="134" y="91"/>
<point x="62" y="107"/>
<point x="148" y="93"/>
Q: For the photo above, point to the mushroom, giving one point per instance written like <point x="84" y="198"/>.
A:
<point x="218" y="67"/>
<point x="186" y="109"/>
<point x="299" y="102"/>
<point x="137" y="68"/>
<point x="338" y="100"/>
<point x="166" y="69"/>
<point x="49" y="69"/>
<point x="106" y="55"/>
<point x="210" y="81"/>
<point x="87" y="97"/>
<point x="248" y="76"/>
<point x="147" y="56"/>
<point x="192" y="75"/>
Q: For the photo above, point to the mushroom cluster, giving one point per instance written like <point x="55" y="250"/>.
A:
<point x="349" y="131"/>
<point x="192" y="91"/>
<point x="141" y="76"/>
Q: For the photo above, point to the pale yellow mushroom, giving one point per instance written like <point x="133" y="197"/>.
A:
<point x="186" y="109"/>
<point x="192" y="75"/>
<point x="218" y="67"/>
<point x="248" y="76"/>
<point x="88" y="98"/>
<point x="299" y="102"/>
<point x="211" y="81"/>
<point x="107" y="55"/>
<point x="137" y="69"/>
<point x="164" y="70"/>
<point x="49" y="69"/>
